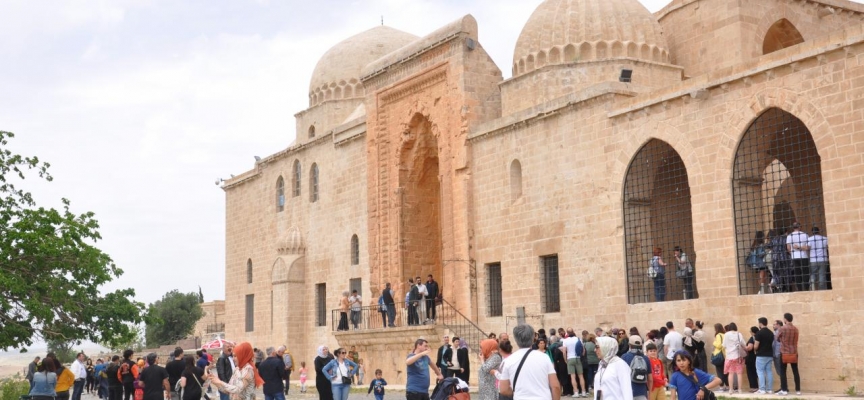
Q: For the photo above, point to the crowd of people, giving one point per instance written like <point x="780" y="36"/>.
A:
<point x="790" y="261"/>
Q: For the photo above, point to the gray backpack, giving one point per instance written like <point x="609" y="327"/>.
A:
<point x="638" y="368"/>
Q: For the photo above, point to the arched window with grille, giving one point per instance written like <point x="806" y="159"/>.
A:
<point x="249" y="271"/>
<point x="355" y="250"/>
<point x="658" y="226"/>
<point x="296" y="179"/>
<point x="778" y="202"/>
<point x="280" y="194"/>
<point x="313" y="183"/>
<point x="515" y="180"/>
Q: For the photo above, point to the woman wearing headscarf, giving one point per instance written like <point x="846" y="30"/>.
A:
<point x="613" y="378"/>
<point x="322" y="383"/>
<point x="340" y="372"/>
<point x="694" y="347"/>
<point x="245" y="378"/>
<point x="700" y="358"/>
<point x="491" y="361"/>
<point x="464" y="361"/>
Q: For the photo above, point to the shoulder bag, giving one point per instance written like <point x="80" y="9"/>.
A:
<point x="519" y="368"/>
<point x="789" y="358"/>
<point x="719" y="359"/>
<point x="203" y="394"/>
<point x="708" y="395"/>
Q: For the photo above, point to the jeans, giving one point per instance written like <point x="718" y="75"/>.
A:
<point x="391" y="315"/>
<point x="784" y="384"/>
<point x="817" y="275"/>
<point x="224" y="396"/>
<point x="355" y="318"/>
<point x="590" y="373"/>
<point x="766" y="376"/>
<point x="340" y="391"/>
<point x="274" y="396"/>
<point x="78" y="389"/>
<point x="660" y="288"/>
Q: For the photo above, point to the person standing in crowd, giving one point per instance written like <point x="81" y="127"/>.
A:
<point x="101" y="382"/>
<point x="573" y="349"/>
<point x="683" y="264"/>
<point x="304" y="374"/>
<point x="343" y="312"/>
<point x="455" y="367"/>
<point x="322" y="383"/>
<point x="431" y="298"/>
<point x="537" y="379"/>
<point x="128" y="374"/>
<point x="640" y="389"/>
<point x="673" y="342"/>
<point x="694" y="347"/>
<point x="418" y="365"/>
<point x="687" y="383"/>
<point x="559" y="359"/>
<point x="259" y="356"/>
<point x="593" y="360"/>
<point x="612" y="381"/>
<point x="490" y="362"/>
<point x="444" y="360"/>
<point x="65" y="378"/>
<point x="154" y="380"/>
<point x="659" y="275"/>
<point x="421" y="303"/>
<point x="413" y="303"/>
<point x="756" y="260"/>
<point x="777" y="356"/>
<point x="31" y="369"/>
<point x="658" y="373"/>
<point x="718" y="357"/>
<point x="112" y="375"/>
<point x="818" y="260"/>
<point x="340" y="371"/>
<point x="464" y="361"/>
<point x="700" y="358"/>
<point x="80" y="372"/>
<point x="797" y="243"/>
<point x="43" y="381"/>
<point x="192" y="378"/>
<point x="175" y="370"/>
<point x="788" y="337"/>
<point x="90" y="381"/>
<point x="288" y="360"/>
<point x="750" y="361"/>
<point x="225" y="367"/>
<point x="203" y="361"/>
<point x="382" y="309"/>
<point x="356" y="304"/>
<point x="272" y="372"/>
<point x="390" y="303"/>
<point x="245" y="378"/>
<point x="734" y="343"/>
<point x="780" y="261"/>
<point x="763" y="348"/>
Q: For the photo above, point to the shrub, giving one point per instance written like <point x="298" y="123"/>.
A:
<point x="13" y="389"/>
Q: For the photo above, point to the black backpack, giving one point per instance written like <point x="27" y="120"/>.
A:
<point x="638" y="368"/>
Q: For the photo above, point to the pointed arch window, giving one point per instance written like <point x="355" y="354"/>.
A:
<point x="781" y="35"/>
<point x="355" y="250"/>
<point x="776" y="186"/>
<point x="249" y="271"/>
<point x="313" y="183"/>
<point x="296" y="179"/>
<point x="311" y="131"/>
<point x="657" y="221"/>
<point x="280" y="194"/>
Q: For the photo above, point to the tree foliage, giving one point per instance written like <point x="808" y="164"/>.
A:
<point x="174" y="318"/>
<point x="63" y="349"/>
<point x="136" y="343"/>
<point x="51" y="274"/>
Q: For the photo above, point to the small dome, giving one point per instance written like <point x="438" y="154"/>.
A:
<point x="337" y="74"/>
<point x="567" y="31"/>
<point x="292" y="242"/>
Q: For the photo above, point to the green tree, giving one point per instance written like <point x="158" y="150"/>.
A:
<point x="174" y="318"/>
<point x="51" y="273"/>
<point x="63" y="349"/>
<point x="136" y="343"/>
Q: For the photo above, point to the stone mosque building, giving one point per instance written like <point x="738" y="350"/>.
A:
<point x="713" y="125"/>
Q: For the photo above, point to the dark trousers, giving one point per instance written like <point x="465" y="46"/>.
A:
<point x="287" y="380"/>
<point x="413" y="318"/>
<point x="430" y="308"/>
<point x="752" y="377"/>
<point x="115" y="392"/>
<point x="724" y="379"/>
<point x="416" y="396"/>
<point x="784" y="384"/>
<point x="128" y="391"/>
<point x="78" y="389"/>
<point x="801" y="273"/>
<point x="383" y="318"/>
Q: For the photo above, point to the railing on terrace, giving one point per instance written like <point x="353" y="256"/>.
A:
<point x="214" y="328"/>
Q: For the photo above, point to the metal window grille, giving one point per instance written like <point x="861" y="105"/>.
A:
<point x="657" y="220"/>
<point x="249" y="271"/>
<point x="250" y="312"/>
<point x="280" y="194"/>
<point x="550" y="289"/>
<point x="494" y="290"/>
<point x="776" y="184"/>
<point x="356" y="284"/>
<point x="313" y="183"/>
<point x="295" y="189"/>
<point x="355" y="250"/>
<point x="321" y="304"/>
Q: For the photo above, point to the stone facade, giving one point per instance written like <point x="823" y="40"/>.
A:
<point x="445" y="168"/>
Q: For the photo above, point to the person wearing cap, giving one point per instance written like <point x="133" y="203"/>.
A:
<point x="797" y="244"/>
<point x="818" y="259"/>
<point x="154" y="380"/>
<point x="640" y="390"/>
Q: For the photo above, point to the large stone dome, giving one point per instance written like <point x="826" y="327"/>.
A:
<point x="567" y="31"/>
<point x="337" y="74"/>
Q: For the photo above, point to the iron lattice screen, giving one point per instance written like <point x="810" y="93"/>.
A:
<point x="250" y="312"/>
<point x="776" y="186"/>
<point x="494" y="290"/>
<point x="657" y="220"/>
<point x="321" y="304"/>
<point x="550" y="289"/>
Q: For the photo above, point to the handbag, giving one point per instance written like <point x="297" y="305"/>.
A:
<point x="707" y="394"/>
<point x="789" y="358"/>
<point x="345" y="380"/>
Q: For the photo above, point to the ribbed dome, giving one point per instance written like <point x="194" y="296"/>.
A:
<point x="566" y="31"/>
<point x="337" y="74"/>
<point x="292" y="242"/>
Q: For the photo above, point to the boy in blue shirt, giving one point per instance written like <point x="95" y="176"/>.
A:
<point x="377" y="385"/>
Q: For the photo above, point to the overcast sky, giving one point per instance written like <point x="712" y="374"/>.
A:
<point x="140" y="105"/>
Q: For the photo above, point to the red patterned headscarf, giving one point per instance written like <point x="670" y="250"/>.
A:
<point x="243" y="355"/>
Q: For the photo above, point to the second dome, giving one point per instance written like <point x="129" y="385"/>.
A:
<point x="567" y="31"/>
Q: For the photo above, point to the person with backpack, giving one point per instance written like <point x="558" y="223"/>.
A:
<point x="658" y="373"/>
<point x="641" y="378"/>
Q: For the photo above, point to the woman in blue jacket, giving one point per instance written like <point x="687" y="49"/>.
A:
<point x="340" y="371"/>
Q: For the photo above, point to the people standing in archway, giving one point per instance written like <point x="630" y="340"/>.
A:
<point x="431" y="298"/>
<point x="684" y="270"/>
<point x="756" y="260"/>
<point x="659" y="275"/>
<point x="779" y="260"/>
<point x="343" y="312"/>
<point x="818" y="260"/>
<point x="797" y="243"/>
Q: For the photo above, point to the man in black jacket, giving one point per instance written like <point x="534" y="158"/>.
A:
<point x="445" y="357"/>
<point x="413" y="300"/>
<point x="225" y="367"/>
<point x="272" y="371"/>
<point x="432" y="288"/>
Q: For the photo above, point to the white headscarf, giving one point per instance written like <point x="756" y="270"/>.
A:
<point x="608" y="349"/>
<point x="321" y="351"/>
<point x="688" y="337"/>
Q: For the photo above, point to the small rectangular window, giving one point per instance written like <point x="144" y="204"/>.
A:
<point x="321" y="304"/>
<point x="356" y="284"/>
<point x="250" y="312"/>
<point x="493" y="290"/>
<point x="549" y="283"/>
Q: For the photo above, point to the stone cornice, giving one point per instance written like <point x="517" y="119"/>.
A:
<point x="835" y="4"/>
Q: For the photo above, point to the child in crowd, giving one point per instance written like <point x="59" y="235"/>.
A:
<point x="361" y="372"/>
<point x="303" y="372"/>
<point x="658" y="373"/>
<point x="377" y="385"/>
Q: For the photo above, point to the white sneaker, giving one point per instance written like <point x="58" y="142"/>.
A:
<point x="782" y="393"/>
<point x="761" y="392"/>
<point x="575" y="395"/>
<point x="798" y="392"/>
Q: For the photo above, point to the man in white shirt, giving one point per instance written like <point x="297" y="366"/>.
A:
<point x="818" y="259"/>
<point x="673" y="342"/>
<point x="356" y="304"/>
<point x="797" y="245"/>
<point x="573" y="350"/>
<point x="536" y="380"/>
<point x="424" y="292"/>
<point x="80" y="371"/>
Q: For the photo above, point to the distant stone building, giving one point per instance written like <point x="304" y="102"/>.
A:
<point x="543" y="197"/>
<point x="212" y="323"/>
